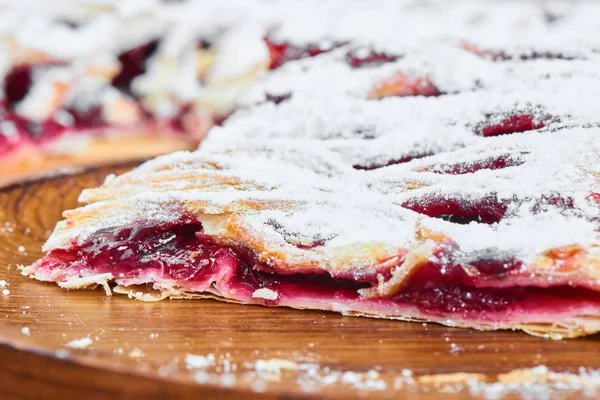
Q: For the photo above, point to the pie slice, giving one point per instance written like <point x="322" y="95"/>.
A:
<point x="407" y="163"/>
<point x="90" y="83"/>
<point x="493" y="236"/>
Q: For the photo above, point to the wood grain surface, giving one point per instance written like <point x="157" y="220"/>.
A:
<point x="138" y="350"/>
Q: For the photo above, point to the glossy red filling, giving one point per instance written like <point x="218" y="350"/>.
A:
<point x="440" y="290"/>
<point x="487" y="210"/>
<point x="512" y="124"/>
<point x="182" y="255"/>
<point x="16" y="84"/>
<point x="133" y="64"/>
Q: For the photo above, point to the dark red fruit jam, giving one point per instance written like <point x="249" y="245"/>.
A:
<point x="16" y="84"/>
<point x="512" y="124"/>
<point x="18" y="79"/>
<point x="494" y="268"/>
<point x="280" y="53"/>
<point x="172" y="248"/>
<point x="504" y="161"/>
<point x="395" y="161"/>
<point x="441" y="291"/>
<point x="446" y="298"/>
<point x="86" y="118"/>
<point x="443" y="299"/>
<point x="371" y="58"/>
<point x="133" y="64"/>
<point x="181" y="251"/>
<point x="487" y="210"/>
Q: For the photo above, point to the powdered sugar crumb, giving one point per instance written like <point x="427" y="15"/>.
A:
<point x="265" y="293"/>
<point x="80" y="343"/>
<point x="272" y="369"/>
<point x="136" y="353"/>
<point x="310" y="377"/>
<point x="193" y="361"/>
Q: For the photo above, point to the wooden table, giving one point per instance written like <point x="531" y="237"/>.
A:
<point x="138" y="350"/>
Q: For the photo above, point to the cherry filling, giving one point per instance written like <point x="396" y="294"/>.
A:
<point x="486" y="210"/>
<point x="513" y="124"/>
<point x="446" y="289"/>
<point x="86" y="117"/>
<point x="280" y="53"/>
<point x="180" y="254"/>
<point x="18" y="80"/>
<point x="16" y="84"/>
<point x="133" y="64"/>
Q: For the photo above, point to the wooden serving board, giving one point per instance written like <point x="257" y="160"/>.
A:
<point x="138" y="350"/>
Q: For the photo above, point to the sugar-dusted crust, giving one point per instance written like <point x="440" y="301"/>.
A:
<point x="239" y="193"/>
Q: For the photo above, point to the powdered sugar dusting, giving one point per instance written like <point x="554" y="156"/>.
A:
<point x="537" y="382"/>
